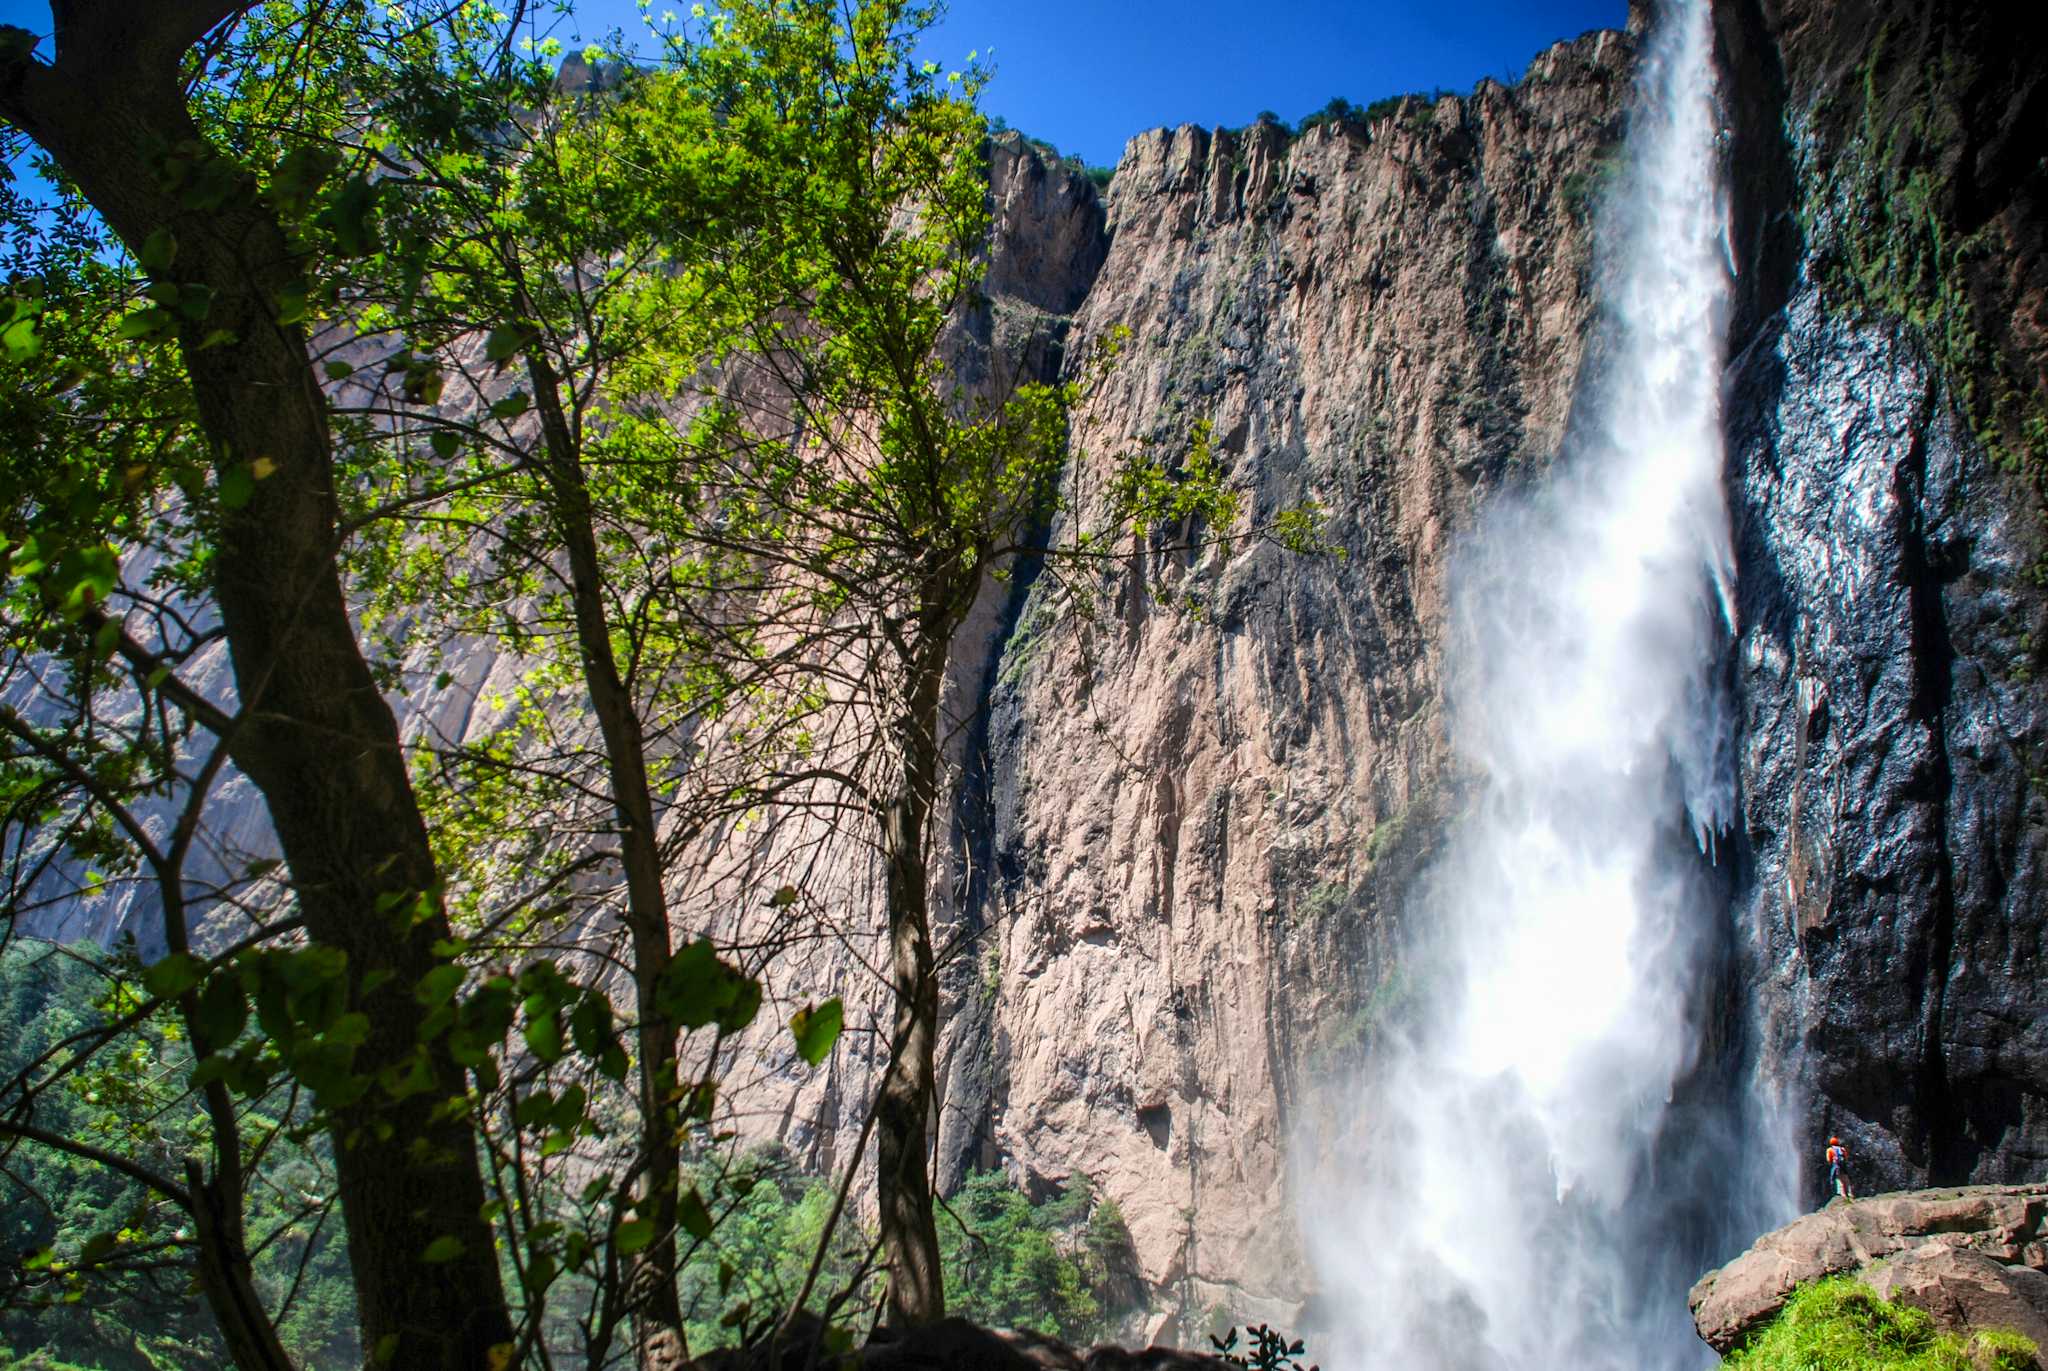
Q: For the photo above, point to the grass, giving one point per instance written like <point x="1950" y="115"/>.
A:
<point x="1841" y="1325"/>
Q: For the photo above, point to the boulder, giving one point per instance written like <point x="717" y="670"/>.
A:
<point x="1964" y="1289"/>
<point x="1920" y="1235"/>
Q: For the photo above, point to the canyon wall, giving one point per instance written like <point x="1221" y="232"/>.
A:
<point x="1195" y="815"/>
<point x="1204" y="800"/>
<point x="1886" y="457"/>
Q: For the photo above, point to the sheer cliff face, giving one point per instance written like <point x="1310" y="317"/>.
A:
<point x="1202" y="804"/>
<point x="1890" y="529"/>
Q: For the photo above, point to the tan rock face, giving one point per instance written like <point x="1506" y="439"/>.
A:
<point x="2004" y="1226"/>
<point x="1196" y="800"/>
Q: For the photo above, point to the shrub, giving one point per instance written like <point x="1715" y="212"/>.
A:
<point x="1842" y="1325"/>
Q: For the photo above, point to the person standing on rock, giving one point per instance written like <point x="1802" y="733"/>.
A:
<point x="1838" y="1169"/>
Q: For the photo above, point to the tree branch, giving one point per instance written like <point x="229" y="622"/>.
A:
<point x="163" y="1185"/>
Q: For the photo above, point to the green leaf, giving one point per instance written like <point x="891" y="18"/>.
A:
<point x="349" y="218"/>
<point x="158" y="251"/>
<point x="745" y="1004"/>
<point x="291" y="304"/>
<point x="445" y="1248"/>
<point x="20" y="340"/>
<point x="506" y="342"/>
<point x="439" y="985"/>
<point x="302" y="172"/>
<point x="512" y="406"/>
<point x="633" y="1235"/>
<point x="444" y="444"/>
<point x="817" y="1028"/>
<point x="590" y="1024"/>
<point x="698" y="988"/>
<point x="350" y="1030"/>
<point x="694" y="1215"/>
<point x="172" y="976"/>
<point x="145" y="323"/>
<point x="222" y="1011"/>
<point x="339" y="371"/>
<point x="543" y="1034"/>
<point x="236" y="488"/>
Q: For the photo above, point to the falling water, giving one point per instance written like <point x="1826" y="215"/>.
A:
<point x="1541" y="1167"/>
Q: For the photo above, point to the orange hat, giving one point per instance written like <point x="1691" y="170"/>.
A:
<point x="1834" y="1142"/>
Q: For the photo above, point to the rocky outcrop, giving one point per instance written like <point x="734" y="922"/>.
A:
<point x="1966" y="1291"/>
<point x="1974" y="1258"/>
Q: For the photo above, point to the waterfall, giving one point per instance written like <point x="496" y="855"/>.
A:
<point x="1542" y="1164"/>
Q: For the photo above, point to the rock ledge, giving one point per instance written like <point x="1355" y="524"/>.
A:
<point x="1973" y="1257"/>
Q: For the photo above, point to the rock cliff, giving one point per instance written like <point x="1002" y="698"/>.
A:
<point x="1886" y="462"/>
<point x="1200" y="812"/>
<point x="1203" y="805"/>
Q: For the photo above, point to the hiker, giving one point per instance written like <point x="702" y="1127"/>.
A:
<point x="1838" y="1169"/>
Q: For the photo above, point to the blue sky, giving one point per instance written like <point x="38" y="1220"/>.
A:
<point x="1087" y="74"/>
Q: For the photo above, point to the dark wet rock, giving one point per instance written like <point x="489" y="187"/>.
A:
<point x="1893" y="862"/>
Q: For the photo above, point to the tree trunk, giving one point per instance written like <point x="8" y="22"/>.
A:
<point x="318" y="739"/>
<point x="903" y="1110"/>
<point x="660" y="1342"/>
<point x="224" y="1274"/>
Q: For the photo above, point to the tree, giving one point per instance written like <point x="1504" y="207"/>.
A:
<point x="312" y="731"/>
<point x="868" y="495"/>
<point x="666" y="372"/>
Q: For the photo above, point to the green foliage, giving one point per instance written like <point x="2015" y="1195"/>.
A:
<point x="1584" y="188"/>
<point x="1842" y="1325"/>
<point x="1051" y="1267"/>
<point x="1890" y="247"/>
<point x="93" y="1268"/>
<point x="1338" y="111"/>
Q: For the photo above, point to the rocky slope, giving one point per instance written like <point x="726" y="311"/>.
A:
<point x="1974" y="1258"/>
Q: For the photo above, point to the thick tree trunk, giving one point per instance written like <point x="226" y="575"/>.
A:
<point x="318" y="739"/>
<point x="660" y="1342"/>
<point x="903" y="1111"/>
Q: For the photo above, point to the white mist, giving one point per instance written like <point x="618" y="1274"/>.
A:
<point x="1523" y="1188"/>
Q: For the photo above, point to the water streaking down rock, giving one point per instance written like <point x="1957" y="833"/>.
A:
<point x="1972" y="1257"/>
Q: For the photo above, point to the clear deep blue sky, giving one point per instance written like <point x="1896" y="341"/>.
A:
<point x="1087" y="74"/>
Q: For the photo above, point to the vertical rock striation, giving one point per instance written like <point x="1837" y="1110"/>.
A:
<point x="1206" y="799"/>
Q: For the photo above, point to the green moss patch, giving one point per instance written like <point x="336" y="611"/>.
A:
<point x="1841" y="1325"/>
